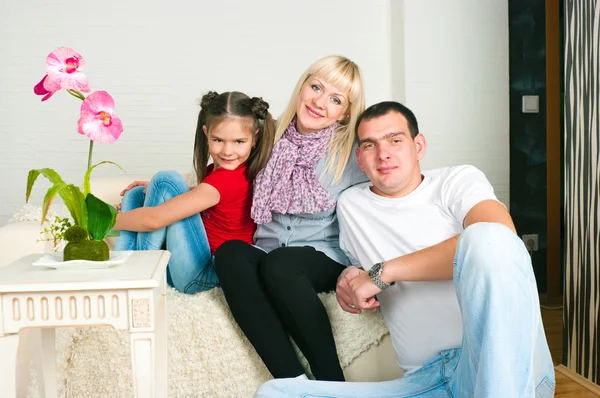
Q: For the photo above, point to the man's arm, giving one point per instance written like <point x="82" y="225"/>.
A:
<point x="432" y="263"/>
<point x="435" y="262"/>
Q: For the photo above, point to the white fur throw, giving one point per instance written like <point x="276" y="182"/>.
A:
<point x="209" y="356"/>
<point x="29" y="212"/>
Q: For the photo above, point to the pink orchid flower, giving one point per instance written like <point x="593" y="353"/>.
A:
<point x="63" y="67"/>
<point x="97" y="121"/>
<point x="47" y="92"/>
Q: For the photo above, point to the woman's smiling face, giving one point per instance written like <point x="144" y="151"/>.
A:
<point x="319" y="105"/>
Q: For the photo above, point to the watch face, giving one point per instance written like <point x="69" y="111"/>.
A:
<point x="374" y="274"/>
<point x="375" y="271"/>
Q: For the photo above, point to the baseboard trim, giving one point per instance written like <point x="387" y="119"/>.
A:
<point x="579" y="379"/>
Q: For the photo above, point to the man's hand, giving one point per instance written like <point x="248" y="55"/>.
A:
<point x="363" y="291"/>
<point x="342" y="290"/>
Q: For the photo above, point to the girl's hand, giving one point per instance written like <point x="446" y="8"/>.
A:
<point x="133" y="185"/>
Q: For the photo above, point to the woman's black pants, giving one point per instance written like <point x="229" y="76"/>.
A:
<point x="274" y="294"/>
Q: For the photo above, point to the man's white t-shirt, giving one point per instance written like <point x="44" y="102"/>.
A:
<point x="423" y="317"/>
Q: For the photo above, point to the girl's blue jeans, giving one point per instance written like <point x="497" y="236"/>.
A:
<point x="191" y="268"/>
<point x="504" y="353"/>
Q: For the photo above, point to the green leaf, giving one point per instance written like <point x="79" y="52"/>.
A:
<point x="86" y="177"/>
<point x="113" y="234"/>
<point x="75" y="202"/>
<point x="70" y="194"/>
<point x="101" y="217"/>
<point x="34" y="174"/>
<point x="73" y="199"/>
<point x="49" y="198"/>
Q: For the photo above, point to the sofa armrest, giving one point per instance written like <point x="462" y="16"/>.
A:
<point x="18" y="239"/>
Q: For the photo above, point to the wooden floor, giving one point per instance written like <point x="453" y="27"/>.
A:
<point x="565" y="387"/>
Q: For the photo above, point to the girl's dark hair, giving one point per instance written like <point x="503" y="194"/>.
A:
<point x="214" y="108"/>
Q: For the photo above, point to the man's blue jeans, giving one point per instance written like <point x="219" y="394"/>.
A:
<point x="504" y="353"/>
<point x="191" y="268"/>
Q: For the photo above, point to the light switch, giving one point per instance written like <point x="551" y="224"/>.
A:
<point x="531" y="104"/>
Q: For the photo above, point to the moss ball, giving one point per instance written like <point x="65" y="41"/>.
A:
<point x="87" y="250"/>
<point x="76" y="234"/>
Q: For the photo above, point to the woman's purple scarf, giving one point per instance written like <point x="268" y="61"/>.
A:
<point x="289" y="184"/>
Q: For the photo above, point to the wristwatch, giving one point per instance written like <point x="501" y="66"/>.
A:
<point x="375" y="275"/>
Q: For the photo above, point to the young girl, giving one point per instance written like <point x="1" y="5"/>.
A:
<point x="193" y="223"/>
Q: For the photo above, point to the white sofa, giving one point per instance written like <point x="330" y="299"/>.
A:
<point x="208" y="354"/>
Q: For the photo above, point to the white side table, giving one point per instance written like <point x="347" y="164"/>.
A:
<point x="129" y="296"/>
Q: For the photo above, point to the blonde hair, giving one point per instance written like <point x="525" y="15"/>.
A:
<point x="345" y="75"/>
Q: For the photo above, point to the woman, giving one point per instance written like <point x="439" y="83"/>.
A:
<point x="272" y="287"/>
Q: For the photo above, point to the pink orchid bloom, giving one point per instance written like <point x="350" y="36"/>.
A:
<point x="47" y="92"/>
<point x="64" y="67"/>
<point x="97" y="121"/>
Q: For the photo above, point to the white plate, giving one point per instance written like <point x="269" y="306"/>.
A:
<point x="55" y="260"/>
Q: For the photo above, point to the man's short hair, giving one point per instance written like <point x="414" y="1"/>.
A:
<point x="383" y="108"/>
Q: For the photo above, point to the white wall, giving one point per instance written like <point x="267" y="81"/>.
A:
<point x="455" y="57"/>
<point x="447" y="62"/>
<point x="156" y="58"/>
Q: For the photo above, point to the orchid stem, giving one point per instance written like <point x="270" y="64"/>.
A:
<point x="76" y="94"/>
<point x="90" y="154"/>
<point x="79" y="95"/>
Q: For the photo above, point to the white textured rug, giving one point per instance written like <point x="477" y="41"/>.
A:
<point x="208" y="354"/>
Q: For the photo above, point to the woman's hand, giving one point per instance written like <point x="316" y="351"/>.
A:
<point x="133" y="185"/>
<point x="343" y="292"/>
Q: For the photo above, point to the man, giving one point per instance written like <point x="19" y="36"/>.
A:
<point x="440" y="255"/>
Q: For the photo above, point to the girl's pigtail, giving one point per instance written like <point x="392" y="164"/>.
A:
<point x="201" y="142"/>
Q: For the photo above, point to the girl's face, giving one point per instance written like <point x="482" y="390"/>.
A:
<point x="230" y="142"/>
<point x="319" y="105"/>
